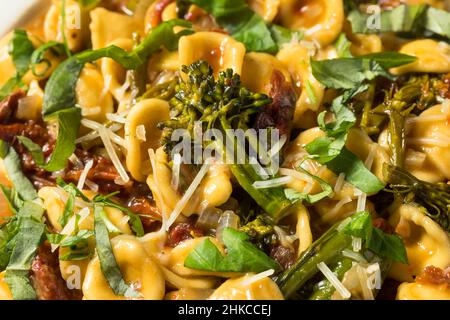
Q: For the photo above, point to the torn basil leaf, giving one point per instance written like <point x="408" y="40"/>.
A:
<point x="242" y="255"/>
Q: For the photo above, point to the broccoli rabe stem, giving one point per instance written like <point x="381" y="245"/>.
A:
<point x="272" y="200"/>
<point x="326" y="249"/>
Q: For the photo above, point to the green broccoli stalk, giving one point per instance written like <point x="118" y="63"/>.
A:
<point x="303" y="278"/>
<point x="434" y="197"/>
<point x="222" y="104"/>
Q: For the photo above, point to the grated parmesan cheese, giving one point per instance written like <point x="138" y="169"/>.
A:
<point x="84" y="174"/>
<point x="257" y="277"/>
<point x="69" y="228"/>
<point x="353" y="255"/>
<point x="339" y="182"/>
<point x="112" y="154"/>
<point x="335" y="282"/>
<point x="273" y="183"/>
<point x="374" y="279"/>
<point x="91" y="185"/>
<point x="176" y="171"/>
<point x="188" y="194"/>
<point x="331" y="215"/>
<point x="356" y="244"/>
<point x="362" y="277"/>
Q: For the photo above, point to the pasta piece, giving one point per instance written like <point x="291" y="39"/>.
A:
<point x="76" y="29"/>
<point x="114" y="75"/>
<point x="145" y="116"/>
<point x="296" y="59"/>
<point x="362" y="44"/>
<point x="214" y="190"/>
<point x="138" y="269"/>
<point x="5" y="292"/>
<point x="175" y="281"/>
<point x="54" y="199"/>
<point x="268" y="9"/>
<point x="432" y="57"/>
<point x="243" y="289"/>
<point x="257" y="71"/>
<point x="421" y="291"/>
<point x="426" y="243"/>
<point x="430" y="134"/>
<point x="103" y="31"/>
<point x="303" y="229"/>
<point x="220" y="51"/>
<point x="93" y="101"/>
<point x="321" y="20"/>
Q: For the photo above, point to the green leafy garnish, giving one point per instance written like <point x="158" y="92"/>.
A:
<point x="348" y="73"/>
<point x="385" y="245"/>
<point x="419" y="20"/>
<point x="108" y="262"/>
<point x="242" y="255"/>
<point x="38" y="58"/>
<point x="236" y="17"/>
<point x="14" y="171"/>
<point x="30" y="232"/>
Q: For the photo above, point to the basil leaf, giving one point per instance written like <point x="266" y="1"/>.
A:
<point x="343" y="46"/>
<point x="38" y="56"/>
<point x="68" y="208"/>
<point x="21" y="49"/>
<point x="81" y="237"/>
<point x="418" y="20"/>
<point x="33" y="148"/>
<point x="108" y="262"/>
<point x="355" y="172"/>
<point x="383" y="244"/>
<point x="325" y="149"/>
<point x="242" y="255"/>
<point x="8" y="232"/>
<point x="14" y="171"/>
<point x="28" y="239"/>
<point x="348" y="73"/>
<point x="236" y="17"/>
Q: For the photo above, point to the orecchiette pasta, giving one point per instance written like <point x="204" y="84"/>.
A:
<point x="214" y="190"/>
<point x="247" y="287"/>
<point x="420" y="291"/>
<point x="95" y="102"/>
<point x="76" y="29"/>
<point x="321" y="20"/>
<point x="103" y="32"/>
<point x="138" y="268"/>
<point x="220" y="51"/>
<point x="426" y="243"/>
<point x="142" y="134"/>
<point x="432" y="56"/>
<point x="258" y="69"/>
<point x="268" y="9"/>
<point x="312" y="91"/>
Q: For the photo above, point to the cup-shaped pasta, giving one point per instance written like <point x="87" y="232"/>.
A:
<point x="92" y="97"/>
<point x="362" y="44"/>
<point x="176" y="281"/>
<point x="432" y="57"/>
<point x="219" y="50"/>
<point x="54" y="199"/>
<point x="429" y="136"/>
<point x="176" y="257"/>
<point x="5" y="292"/>
<point x="248" y="287"/>
<point x="321" y="20"/>
<point x="267" y="9"/>
<point x="214" y="190"/>
<point x="296" y="59"/>
<point x="108" y="26"/>
<point x="141" y="134"/>
<point x="423" y="291"/>
<point x="425" y="241"/>
<point x="76" y="28"/>
<point x="114" y="75"/>
<point x="138" y="269"/>
<point x="258" y="69"/>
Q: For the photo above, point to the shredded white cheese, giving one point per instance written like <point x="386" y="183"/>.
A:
<point x="331" y="215"/>
<point x="353" y="255"/>
<point x="91" y="185"/>
<point x="84" y="174"/>
<point x="69" y="228"/>
<point x="374" y="279"/>
<point x="112" y="154"/>
<point x="257" y="277"/>
<point x="335" y="282"/>
<point x="277" y="147"/>
<point x="339" y="182"/>
<point x="141" y="133"/>
<point x="362" y="278"/>
<point x="356" y="244"/>
<point x="188" y="194"/>
<point x="273" y="183"/>
<point x="176" y="171"/>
